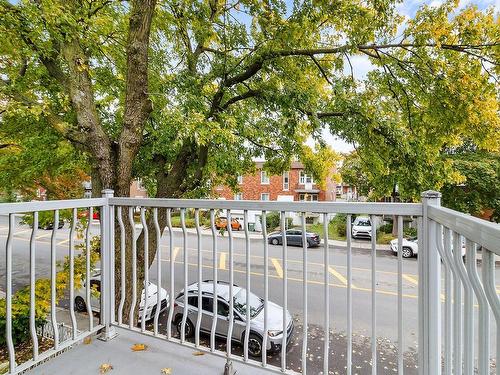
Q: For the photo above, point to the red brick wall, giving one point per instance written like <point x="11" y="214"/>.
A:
<point x="251" y="187"/>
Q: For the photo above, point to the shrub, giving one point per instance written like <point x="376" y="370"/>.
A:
<point x="410" y="232"/>
<point x="386" y="228"/>
<point x="273" y="221"/>
<point x="339" y="224"/>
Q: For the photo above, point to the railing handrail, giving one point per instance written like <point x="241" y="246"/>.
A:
<point x="370" y="208"/>
<point x="22" y="207"/>
<point x="482" y="232"/>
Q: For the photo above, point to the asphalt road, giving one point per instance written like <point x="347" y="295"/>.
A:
<point x="386" y="290"/>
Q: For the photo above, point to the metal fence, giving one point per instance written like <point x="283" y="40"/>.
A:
<point x="450" y="302"/>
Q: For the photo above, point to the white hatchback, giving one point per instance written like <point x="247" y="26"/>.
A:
<point x="95" y="303"/>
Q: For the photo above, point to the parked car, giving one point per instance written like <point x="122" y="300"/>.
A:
<point x="362" y="227"/>
<point x="255" y="341"/>
<point x="410" y="247"/>
<point x="221" y="222"/>
<point x="95" y="284"/>
<point x="49" y="225"/>
<point x="294" y="238"/>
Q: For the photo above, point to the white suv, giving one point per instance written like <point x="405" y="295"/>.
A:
<point x="255" y="341"/>
<point x="410" y="247"/>
<point x="362" y="227"/>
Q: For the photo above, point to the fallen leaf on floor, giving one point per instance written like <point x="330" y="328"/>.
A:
<point x="166" y="371"/>
<point x="198" y="353"/>
<point x="87" y="340"/>
<point x="138" y="347"/>
<point x="104" y="368"/>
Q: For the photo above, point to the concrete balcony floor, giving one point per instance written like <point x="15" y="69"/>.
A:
<point x="85" y="359"/>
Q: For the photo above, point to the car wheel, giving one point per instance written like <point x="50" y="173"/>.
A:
<point x="188" y="330"/>
<point x="275" y="241"/>
<point x="254" y="345"/>
<point x="80" y="305"/>
<point x="407" y="252"/>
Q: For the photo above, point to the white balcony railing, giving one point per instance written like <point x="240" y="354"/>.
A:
<point x="449" y="309"/>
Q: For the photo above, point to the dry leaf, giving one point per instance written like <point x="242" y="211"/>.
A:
<point x="198" y="353"/>
<point x="166" y="371"/>
<point x="87" y="340"/>
<point x="104" y="368"/>
<point x="139" y="347"/>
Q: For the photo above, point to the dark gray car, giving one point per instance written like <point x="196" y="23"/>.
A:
<point x="294" y="238"/>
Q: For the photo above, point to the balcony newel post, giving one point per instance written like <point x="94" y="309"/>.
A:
<point x="107" y="272"/>
<point x="429" y="291"/>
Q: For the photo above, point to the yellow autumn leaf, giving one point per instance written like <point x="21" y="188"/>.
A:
<point x="104" y="368"/>
<point x="139" y="347"/>
<point x="87" y="340"/>
<point x="166" y="371"/>
<point x="198" y="353"/>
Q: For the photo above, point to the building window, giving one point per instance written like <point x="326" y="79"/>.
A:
<point x="286" y="181"/>
<point x="240" y="179"/>
<point x="264" y="178"/>
<point x="305" y="179"/>
<point x="238" y="196"/>
<point x="304" y="197"/>
<point x="264" y="197"/>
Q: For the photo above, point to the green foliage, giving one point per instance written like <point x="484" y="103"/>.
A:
<point x="21" y="299"/>
<point x="480" y="188"/>
<point x="273" y="221"/>
<point x="339" y="224"/>
<point x="386" y="228"/>
<point x="409" y="232"/>
<point x="231" y="82"/>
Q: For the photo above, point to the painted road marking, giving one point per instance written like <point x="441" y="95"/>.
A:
<point x="410" y="279"/>
<point x="176" y="251"/>
<point x="277" y="266"/>
<point x="222" y="261"/>
<point x="300" y="280"/>
<point x="341" y="278"/>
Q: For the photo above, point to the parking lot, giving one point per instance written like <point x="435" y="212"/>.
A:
<point x="386" y="289"/>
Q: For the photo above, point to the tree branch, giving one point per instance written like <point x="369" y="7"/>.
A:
<point x="237" y="98"/>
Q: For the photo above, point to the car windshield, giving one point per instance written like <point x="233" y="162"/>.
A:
<point x="240" y="303"/>
<point x="363" y="223"/>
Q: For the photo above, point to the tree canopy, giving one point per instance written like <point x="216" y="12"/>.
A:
<point x="185" y="93"/>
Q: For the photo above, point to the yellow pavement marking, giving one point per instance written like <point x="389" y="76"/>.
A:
<point x="63" y="242"/>
<point x="222" y="261"/>
<point x="44" y="235"/>
<point x="342" y="279"/>
<point x="300" y="280"/>
<point x="22" y="231"/>
<point x="410" y="279"/>
<point x="176" y="251"/>
<point x="277" y="266"/>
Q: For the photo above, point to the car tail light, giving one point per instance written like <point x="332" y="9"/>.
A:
<point x="175" y="304"/>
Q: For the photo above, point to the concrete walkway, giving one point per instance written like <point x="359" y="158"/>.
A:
<point x="160" y="357"/>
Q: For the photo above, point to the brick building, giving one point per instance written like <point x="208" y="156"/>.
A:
<point x="292" y="185"/>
